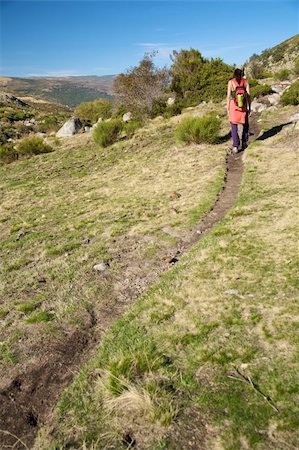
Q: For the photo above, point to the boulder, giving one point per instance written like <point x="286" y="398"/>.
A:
<point x="87" y="129"/>
<point x="70" y="127"/>
<point x="170" y="101"/>
<point x="257" y="106"/>
<point x="127" y="117"/>
<point x="274" y="99"/>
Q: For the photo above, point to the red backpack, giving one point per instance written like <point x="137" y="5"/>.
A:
<point x="240" y="97"/>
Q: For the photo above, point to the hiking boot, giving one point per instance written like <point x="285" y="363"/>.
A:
<point x="235" y="150"/>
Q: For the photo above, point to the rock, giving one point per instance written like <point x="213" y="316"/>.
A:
<point x="274" y="99"/>
<point x="278" y="88"/>
<point x="257" y="106"/>
<point x="70" y="128"/>
<point x="294" y="117"/>
<point x="101" y="267"/>
<point x="100" y="119"/>
<point x="232" y="292"/>
<point x="170" y="101"/>
<point x="127" y="117"/>
<point x="87" y="129"/>
<point x="198" y="114"/>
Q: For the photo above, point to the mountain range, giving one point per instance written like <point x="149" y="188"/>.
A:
<point x="69" y="91"/>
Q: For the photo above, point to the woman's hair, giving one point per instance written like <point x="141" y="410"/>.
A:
<point x="238" y="74"/>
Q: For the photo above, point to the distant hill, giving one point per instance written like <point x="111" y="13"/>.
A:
<point x="69" y="91"/>
<point x="282" y="56"/>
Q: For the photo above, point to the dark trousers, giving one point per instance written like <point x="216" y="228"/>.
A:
<point x="245" y="133"/>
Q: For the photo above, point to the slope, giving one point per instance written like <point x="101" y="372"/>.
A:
<point x="207" y="357"/>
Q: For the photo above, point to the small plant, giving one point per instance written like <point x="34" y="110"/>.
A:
<point x="199" y="129"/>
<point x="8" y="154"/>
<point x="33" y="146"/>
<point x="296" y="67"/>
<point x="291" y="95"/>
<point x="283" y="74"/>
<point x="260" y="90"/>
<point x="106" y="133"/>
<point x="131" y="127"/>
<point x="39" y="316"/>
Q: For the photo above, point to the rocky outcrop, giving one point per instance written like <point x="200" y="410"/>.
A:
<point x="70" y="127"/>
<point x="6" y="98"/>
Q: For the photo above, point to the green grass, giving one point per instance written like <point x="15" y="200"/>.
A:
<point x="63" y="212"/>
<point x="212" y="346"/>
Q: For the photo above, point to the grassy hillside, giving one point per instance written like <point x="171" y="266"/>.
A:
<point x="63" y="212"/>
<point x="282" y="56"/>
<point x="207" y="357"/>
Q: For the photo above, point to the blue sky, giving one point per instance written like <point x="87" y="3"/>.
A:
<point x="53" y="38"/>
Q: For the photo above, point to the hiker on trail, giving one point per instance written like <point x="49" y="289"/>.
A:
<point x="238" y="108"/>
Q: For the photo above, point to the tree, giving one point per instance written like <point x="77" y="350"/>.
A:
<point x="195" y="78"/>
<point x="140" y="87"/>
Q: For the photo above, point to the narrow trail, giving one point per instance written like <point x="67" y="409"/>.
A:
<point x="27" y="403"/>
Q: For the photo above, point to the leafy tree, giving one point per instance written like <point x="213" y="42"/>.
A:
<point x="195" y="78"/>
<point x="140" y="87"/>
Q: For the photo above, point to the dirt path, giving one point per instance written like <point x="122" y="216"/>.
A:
<point x="28" y="401"/>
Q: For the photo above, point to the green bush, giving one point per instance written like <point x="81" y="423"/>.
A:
<point x="259" y="90"/>
<point x="90" y="112"/>
<point x="296" y="67"/>
<point x="291" y="95"/>
<point x="8" y="154"/>
<point x="131" y="127"/>
<point x="106" y="133"/>
<point x="33" y="146"/>
<point x="283" y="74"/>
<point x="199" y="129"/>
<point x="173" y="110"/>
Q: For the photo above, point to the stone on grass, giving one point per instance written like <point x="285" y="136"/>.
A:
<point x="101" y="266"/>
<point x="70" y="128"/>
<point x="127" y="117"/>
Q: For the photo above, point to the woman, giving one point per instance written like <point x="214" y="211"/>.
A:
<point x="238" y="108"/>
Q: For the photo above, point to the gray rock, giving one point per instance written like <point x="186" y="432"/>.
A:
<point x="70" y="128"/>
<point x="274" y="99"/>
<point x="232" y="292"/>
<point x="257" y="106"/>
<point x="170" y="101"/>
<point x="127" y="117"/>
<point x="101" y="266"/>
<point x="87" y="129"/>
<point x="198" y="114"/>
<point x="295" y="117"/>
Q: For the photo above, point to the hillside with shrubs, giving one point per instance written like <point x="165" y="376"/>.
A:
<point x="148" y="277"/>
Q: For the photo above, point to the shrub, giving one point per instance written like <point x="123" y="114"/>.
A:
<point x="106" y="133"/>
<point x="283" y="74"/>
<point x="33" y="146"/>
<point x="296" y="67"/>
<point x="173" y="110"/>
<point x="90" y="112"/>
<point x="8" y="154"/>
<point x="291" y="95"/>
<point x="131" y="127"/>
<point x="259" y="90"/>
<point x="199" y="129"/>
